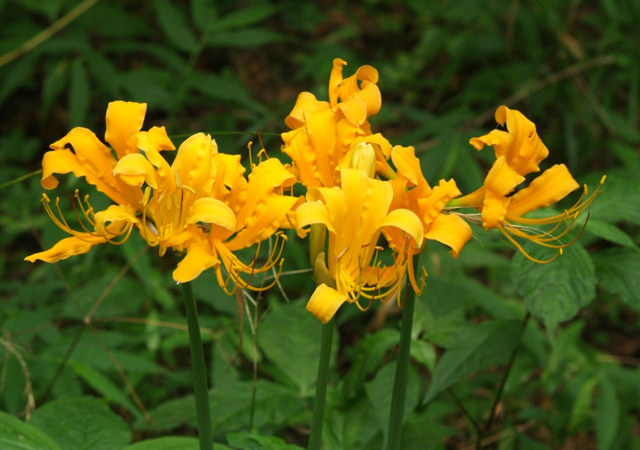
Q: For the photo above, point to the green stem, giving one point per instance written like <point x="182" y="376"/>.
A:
<point x="198" y="370"/>
<point x="402" y="367"/>
<point x="315" y="440"/>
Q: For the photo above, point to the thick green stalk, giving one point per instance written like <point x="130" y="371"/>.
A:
<point x="198" y="370"/>
<point x="315" y="440"/>
<point x="402" y="367"/>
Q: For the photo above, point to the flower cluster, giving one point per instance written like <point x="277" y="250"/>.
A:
<point x="368" y="208"/>
<point x="201" y="204"/>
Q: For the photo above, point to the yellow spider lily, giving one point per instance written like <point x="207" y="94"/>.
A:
<point x="202" y="203"/>
<point x="518" y="152"/>
<point x="412" y="192"/>
<point x="324" y="133"/>
<point x="355" y="214"/>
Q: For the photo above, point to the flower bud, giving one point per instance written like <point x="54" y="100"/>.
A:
<point x="364" y="158"/>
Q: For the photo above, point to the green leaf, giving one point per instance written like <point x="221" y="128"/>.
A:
<point x="556" y="291"/>
<point x="17" y="75"/>
<point x="610" y="233"/>
<point x="203" y="13"/>
<point x="169" y="443"/>
<point x="582" y="404"/>
<point x="246" y="16"/>
<point x="526" y="443"/>
<point x="174" y="24"/>
<point x="424" y="353"/>
<point x="18" y="435"/>
<point x="620" y="201"/>
<point x="618" y="271"/>
<point x="248" y="441"/>
<point x="477" y="347"/>
<point x="104" y="386"/>
<point x="250" y="37"/>
<point x="104" y="72"/>
<point x="83" y="423"/>
<point x="607" y="414"/>
<point x="79" y="95"/>
<point x="290" y="337"/>
<point x="53" y="85"/>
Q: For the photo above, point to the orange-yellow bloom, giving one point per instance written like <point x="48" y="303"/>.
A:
<point x="355" y="214"/>
<point x="201" y="204"/>
<point x="324" y="133"/>
<point x="518" y="153"/>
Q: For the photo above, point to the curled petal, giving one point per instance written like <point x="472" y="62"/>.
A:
<point x="211" y="210"/>
<point x="432" y="205"/>
<point x="194" y="164"/>
<point x="527" y="150"/>
<point x="553" y="185"/>
<point x="156" y="138"/>
<point x="501" y="141"/>
<point x="305" y="103"/>
<point x="230" y="185"/>
<point x="114" y="214"/>
<point x="324" y="302"/>
<point x="334" y="81"/>
<point x="354" y="110"/>
<point x="311" y="213"/>
<point x="68" y="247"/>
<point x="451" y="230"/>
<point x="494" y="210"/>
<point x="134" y="169"/>
<point x="124" y="120"/>
<point x="200" y="257"/>
<point x="502" y="179"/>
<point x="406" y="221"/>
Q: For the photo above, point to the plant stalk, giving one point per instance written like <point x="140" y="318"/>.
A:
<point x="198" y="370"/>
<point x="315" y="440"/>
<point x="399" y="395"/>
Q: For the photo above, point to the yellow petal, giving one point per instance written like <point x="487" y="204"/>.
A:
<point x="211" y="210"/>
<point x="156" y="138"/>
<point x="406" y="221"/>
<point x="267" y="219"/>
<point x="311" y="213"/>
<point x="334" y="81"/>
<point x="494" y="210"/>
<point x="230" y="185"/>
<point x="305" y="103"/>
<point x="527" y="149"/>
<point x="134" y="169"/>
<point x="194" y="163"/>
<point x="501" y="141"/>
<point x="324" y="303"/>
<point x="354" y="110"/>
<point x="432" y="205"/>
<point x="502" y="179"/>
<point x="553" y="185"/>
<point x="451" y="230"/>
<point x="114" y="214"/>
<point x="349" y="86"/>
<point x="124" y="120"/>
<point x="200" y="257"/>
<point x="67" y="247"/>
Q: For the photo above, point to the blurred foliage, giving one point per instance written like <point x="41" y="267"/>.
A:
<point x="226" y="66"/>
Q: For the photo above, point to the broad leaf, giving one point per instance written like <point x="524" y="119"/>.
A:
<point x="18" y="435"/>
<point x="83" y="423"/>
<point x="556" y="291"/>
<point x="248" y="441"/>
<point x="477" y="347"/>
<point x="617" y="272"/>
<point x="610" y="233"/>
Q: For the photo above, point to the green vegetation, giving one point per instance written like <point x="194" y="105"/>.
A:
<point x="506" y="354"/>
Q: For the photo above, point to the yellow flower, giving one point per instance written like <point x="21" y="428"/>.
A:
<point x="518" y="153"/>
<point x="324" y="133"/>
<point x="355" y="214"/>
<point x="412" y="192"/>
<point x="201" y="204"/>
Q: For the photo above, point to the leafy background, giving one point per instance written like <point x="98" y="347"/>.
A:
<point x="94" y="350"/>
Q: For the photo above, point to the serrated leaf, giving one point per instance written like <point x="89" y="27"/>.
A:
<point x="18" y="435"/>
<point x="79" y="94"/>
<point x="607" y="414"/>
<point x="83" y="423"/>
<point x="477" y="347"/>
<point x="610" y="233"/>
<point x="174" y="25"/>
<point x="556" y="291"/>
<point x="618" y="271"/>
<point x="249" y="441"/>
